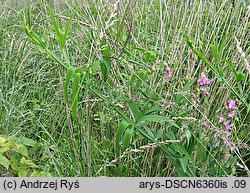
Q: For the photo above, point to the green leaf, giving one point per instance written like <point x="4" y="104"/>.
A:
<point x="59" y="33"/>
<point x="215" y="53"/>
<point x="146" y="135"/>
<point x="4" y="162"/>
<point x="106" y="60"/>
<point x="13" y="139"/>
<point x="188" y="136"/>
<point x="22" y="150"/>
<point x="95" y="66"/>
<point x="28" y="163"/>
<point x="183" y="162"/>
<point x="75" y="88"/>
<point x="28" y="142"/>
<point x="152" y="110"/>
<point x="192" y="144"/>
<point x="2" y="140"/>
<point x="69" y="74"/>
<point x="202" y="150"/>
<point x="22" y="173"/>
<point x="159" y="133"/>
<point x="149" y="132"/>
<point x="121" y="128"/>
<point x="135" y="111"/>
<point x="150" y="118"/>
<point x="64" y="37"/>
<point x="182" y="150"/>
<point x="241" y="77"/>
<point x="127" y="138"/>
<point x="104" y="70"/>
<point x="4" y="148"/>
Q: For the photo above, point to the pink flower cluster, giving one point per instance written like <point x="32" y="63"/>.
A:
<point x="169" y="74"/>
<point x="224" y="132"/>
<point x="204" y="84"/>
<point x="232" y="108"/>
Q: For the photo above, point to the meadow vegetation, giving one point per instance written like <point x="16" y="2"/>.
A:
<point x="124" y="88"/>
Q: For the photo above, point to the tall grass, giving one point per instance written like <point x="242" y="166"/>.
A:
<point x="88" y="80"/>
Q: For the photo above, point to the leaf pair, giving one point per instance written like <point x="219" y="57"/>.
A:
<point x="125" y="131"/>
<point x="61" y="36"/>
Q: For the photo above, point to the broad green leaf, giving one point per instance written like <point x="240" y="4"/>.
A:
<point x="22" y="150"/>
<point x="215" y="53"/>
<point x="13" y="139"/>
<point x="4" y="162"/>
<point x="95" y="66"/>
<point x="75" y="88"/>
<point x="69" y="74"/>
<point x="104" y="70"/>
<point x="152" y="110"/>
<point x="126" y="138"/>
<point x="182" y="150"/>
<point x="192" y="144"/>
<point x="2" y="140"/>
<point x="146" y="135"/>
<point x="28" y="142"/>
<point x="106" y="60"/>
<point x="159" y="133"/>
<point x="183" y="162"/>
<point x="202" y="150"/>
<point x="150" y="118"/>
<point x="22" y="173"/>
<point x="149" y="132"/>
<point x="135" y="111"/>
<point x="15" y="165"/>
<point x="121" y="128"/>
<point x="28" y="163"/>
<point x="4" y="149"/>
<point x="169" y="135"/>
<point x="188" y="136"/>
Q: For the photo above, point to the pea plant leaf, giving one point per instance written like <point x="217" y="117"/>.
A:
<point x="69" y="74"/>
<point x="4" y="161"/>
<point x="75" y="90"/>
<point x="126" y="139"/>
<point x="121" y="128"/>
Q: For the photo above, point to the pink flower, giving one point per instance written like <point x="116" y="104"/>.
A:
<point x="228" y="126"/>
<point x="170" y="74"/>
<point x="216" y="144"/>
<point x="205" y="91"/>
<point x="221" y="119"/>
<point x="233" y="147"/>
<point x="231" y="114"/>
<point x="232" y="105"/>
<point x="203" y="80"/>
